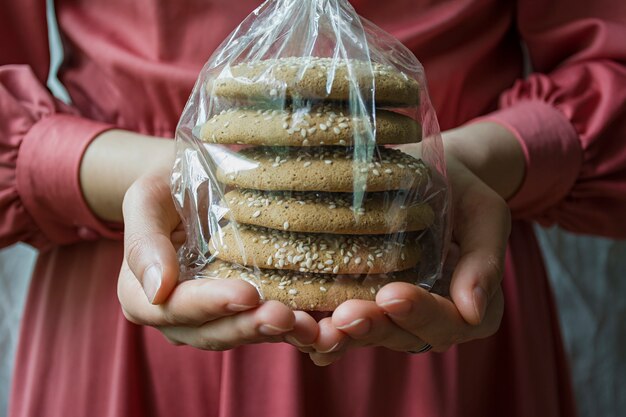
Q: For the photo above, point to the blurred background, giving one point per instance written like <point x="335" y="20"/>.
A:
<point x="588" y="277"/>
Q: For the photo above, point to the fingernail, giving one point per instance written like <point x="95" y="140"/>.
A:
<point x="480" y="302"/>
<point x="293" y="341"/>
<point x="334" y="348"/>
<point x="397" y="307"/>
<point x="151" y="281"/>
<point x="358" y="327"/>
<point x="238" y="307"/>
<point x="270" y="330"/>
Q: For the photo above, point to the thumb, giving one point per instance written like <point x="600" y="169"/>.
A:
<point x="149" y="219"/>
<point x="481" y="227"/>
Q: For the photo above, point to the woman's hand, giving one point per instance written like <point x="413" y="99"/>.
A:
<point x="207" y="314"/>
<point x="129" y="172"/>
<point x="405" y="317"/>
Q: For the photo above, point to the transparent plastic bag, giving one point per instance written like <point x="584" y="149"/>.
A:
<point x="298" y="164"/>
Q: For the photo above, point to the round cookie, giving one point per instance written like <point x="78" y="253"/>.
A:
<point x="307" y="291"/>
<point x="320" y="125"/>
<point x="328" y="212"/>
<point x="321" y="253"/>
<point x="319" y="169"/>
<point x="307" y="78"/>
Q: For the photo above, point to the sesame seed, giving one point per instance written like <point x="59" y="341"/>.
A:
<point x="273" y="92"/>
<point x="373" y="290"/>
<point x="336" y="269"/>
<point x="370" y="264"/>
<point x="307" y="163"/>
<point x="343" y="125"/>
<point x="270" y="261"/>
<point x="375" y="172"/>
<point x="323" y="289"/>
<point x="342" y="142"/>
<point x="226" y="124"/>
<point x="336" y="130"/>
<point x="388" y="171"/>
<point x="328" y="162"/>
<point x="256" y="214"/>
<point x="285" y="125"/>
<point x="323" y="127"/>
<point x="293" y="291"/>
<point x="303" y="133"/>
<point x="357" y="260"/>
<point x="286" y="225"/>
<point x="329" y="262"/>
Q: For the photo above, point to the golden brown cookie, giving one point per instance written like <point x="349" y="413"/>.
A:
<point x="329" y="169"/>
<point x="306" y="291"/>
<point x="320" y="125"/>
<point x="322" y="253"/>
<point x="308" y="78"/>
<point x="381" y="213"/>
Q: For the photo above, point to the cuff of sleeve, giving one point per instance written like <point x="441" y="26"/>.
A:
<point x="552" y="150"/>
<point x="47" y="178"/>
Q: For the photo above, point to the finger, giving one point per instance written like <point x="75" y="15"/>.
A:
<point x="433" y="318"/>
<point x="267" y="323"/>
<point x="305" y="331"/>
<point x="330" y="345"/>
<point x="481" y="227"/>
<point x="149" y="219"/>
<point x="367" y="323"/>
<point x="190" y="303"/>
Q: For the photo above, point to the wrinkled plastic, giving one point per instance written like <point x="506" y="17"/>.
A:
<point x="265" y="66"/>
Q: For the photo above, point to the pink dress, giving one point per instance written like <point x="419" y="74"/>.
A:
<point x="132" y="65"/>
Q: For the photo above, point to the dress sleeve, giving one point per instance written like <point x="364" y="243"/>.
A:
<point x="570" y="115"/>
<point x="42" y="142"/>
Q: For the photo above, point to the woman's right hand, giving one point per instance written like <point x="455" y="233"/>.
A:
<point x="204" y="313"/>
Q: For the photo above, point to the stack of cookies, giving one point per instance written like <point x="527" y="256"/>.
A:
<point x="296" y="231"/>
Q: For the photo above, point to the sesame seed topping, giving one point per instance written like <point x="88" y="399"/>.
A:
<point x="256" y="214"/>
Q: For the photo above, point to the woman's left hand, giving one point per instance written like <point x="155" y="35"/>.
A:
<point x="405" y="317"/>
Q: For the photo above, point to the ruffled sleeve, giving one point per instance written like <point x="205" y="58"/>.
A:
<point x="42" y="142"/>
<point x="570" y="116"/>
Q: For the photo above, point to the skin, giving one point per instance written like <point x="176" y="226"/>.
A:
<point x="485" y="166"/>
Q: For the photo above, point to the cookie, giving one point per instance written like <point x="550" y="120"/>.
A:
<point x="328" y="212"/>
<point x="320" y="125"/>
<point x="321" y="253"/>
<point x="318" y="169"/>
<point x="307" y="291"/>
<point x="303" y="78"/>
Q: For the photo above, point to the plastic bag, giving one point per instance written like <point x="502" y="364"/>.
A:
<point x="298" y="165"/>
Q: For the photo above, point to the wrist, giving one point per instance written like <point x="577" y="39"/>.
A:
<point x="113" y="161"/>
<point x="491" y="152"/>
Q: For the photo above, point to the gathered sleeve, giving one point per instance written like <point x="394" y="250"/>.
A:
<point x="569" y="115"/>
<point x="42" y="142"/>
